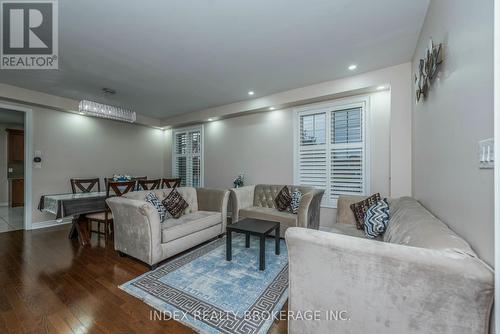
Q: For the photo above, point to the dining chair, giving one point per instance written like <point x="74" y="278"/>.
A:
<point x="171" y="183"/>
<point x="85" y="185"/>
<point x="148" y="184"/>
<point x="113" y="188"/>
<point x="137" y="179"/>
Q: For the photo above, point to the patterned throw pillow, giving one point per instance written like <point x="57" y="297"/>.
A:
<point x="283" y="199"/>
<point x="175" y="204"/>
<point x="295" y="203"/>
<point x="155" y="201"/>
<point x="377" y="219"/>
<point x="360" y="208"/>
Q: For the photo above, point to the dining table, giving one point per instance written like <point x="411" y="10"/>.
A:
<point x="76" y="206"/>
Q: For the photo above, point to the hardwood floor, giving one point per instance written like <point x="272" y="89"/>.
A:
<point x="50" y="284"/>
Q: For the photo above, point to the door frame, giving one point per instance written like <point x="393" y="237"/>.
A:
<point x="28" y="154"/>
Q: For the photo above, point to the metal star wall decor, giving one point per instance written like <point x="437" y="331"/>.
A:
<point x="427" y="69"/>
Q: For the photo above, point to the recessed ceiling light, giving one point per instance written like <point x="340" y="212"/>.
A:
<point x="380" y="87"/>
<point x="210" y="119"/>
<point x="352" y="67"/>
<point x="81" y="113"/>
<point x="108" y="91"/>
<point x="272" y="108"/>
<point x="251" y="92"/>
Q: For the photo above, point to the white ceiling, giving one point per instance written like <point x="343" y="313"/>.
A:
<point x="170" y="57"/>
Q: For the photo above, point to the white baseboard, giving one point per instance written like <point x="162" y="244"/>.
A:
<point x="4" y="203"/>
<point x="50" y="223"/>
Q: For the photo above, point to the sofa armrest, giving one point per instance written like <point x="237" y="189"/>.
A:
<point x="214" y="200"/>
<point x="384" y="288"/>
<point x="309" y="209"/>
<point x="241" y="198"/>
<point x="137" y="229"/>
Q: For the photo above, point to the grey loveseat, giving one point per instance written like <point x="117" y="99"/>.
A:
<point x="138" y="231"/>
<point x="258" y="202"/>
<point x="420" y="277"/>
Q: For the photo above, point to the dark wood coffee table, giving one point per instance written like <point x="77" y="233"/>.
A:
<point x="257" y="227"/>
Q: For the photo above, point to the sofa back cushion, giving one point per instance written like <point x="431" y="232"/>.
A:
<point x="188" y="193"/>
<point x="265" y="194"/>
<point x="141" y="195"/>
<point x="344" y="211"/>
<point x="412" y="225"/>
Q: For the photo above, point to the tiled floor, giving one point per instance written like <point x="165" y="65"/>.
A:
<point x="11" y="219"/>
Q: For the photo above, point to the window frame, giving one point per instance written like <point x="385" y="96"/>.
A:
<point x="174" y="154"/>
<point x="362" y="101"/>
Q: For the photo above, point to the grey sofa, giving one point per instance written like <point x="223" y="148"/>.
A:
<point x="420" y="277"/>
<point x="138" y="231"/>
<point x="258" y="202"/>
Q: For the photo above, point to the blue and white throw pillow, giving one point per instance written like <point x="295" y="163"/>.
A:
<point x="155" y="201"/>
<point x="295" y="203"/>
<point x="377" y="219"/>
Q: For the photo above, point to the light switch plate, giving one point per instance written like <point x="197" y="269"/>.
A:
<point x="486" y="154"/>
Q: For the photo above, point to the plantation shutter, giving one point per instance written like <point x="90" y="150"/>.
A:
<point x="187" y="156"/>
<point x="331" y="151"/>
<point x="312" y="150"/>
<point x="347" y="156"/>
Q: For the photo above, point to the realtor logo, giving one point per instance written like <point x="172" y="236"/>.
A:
<point x="29" y="33"/>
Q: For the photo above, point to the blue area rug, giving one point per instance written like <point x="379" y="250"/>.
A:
<point x="211" y="295"/>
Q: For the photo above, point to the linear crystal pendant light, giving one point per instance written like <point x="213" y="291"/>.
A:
<point x="95" y="109"/>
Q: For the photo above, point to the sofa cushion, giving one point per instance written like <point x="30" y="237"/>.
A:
<point x="188" y="224"/>
<point x="257" y="212"/>
<point x="360" y="209"/>
<point x="175" y="204"/>
<point x="264" y="194"/>
<point x="156" y="202"/>
<point x="283" y="200"/>
<point x="377" y="219"/>
<point x="346" y="229"/>
<point x="295" y="203"/>
<point x="412" y="225"/>
<point x="189" y="195"/>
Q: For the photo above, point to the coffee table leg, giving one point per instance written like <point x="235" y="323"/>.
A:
<point x="262" y="251"/>
<point x="229" y="256"/>
<point x="247" y="240"/>
<point x="277" y="240"/>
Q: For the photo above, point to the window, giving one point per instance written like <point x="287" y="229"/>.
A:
<point x="187" y="156"/>
<point x="331" y="148"/>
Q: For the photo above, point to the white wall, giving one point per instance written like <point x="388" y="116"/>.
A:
<point x="261" y="146"/>
<point x="78" y="146"/>
<point x="4" y="182"/>
<point x="397" y="77"/>
<point x="457" y="114"/>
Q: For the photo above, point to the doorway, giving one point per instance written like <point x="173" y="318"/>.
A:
<point x="12" y="167"/>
